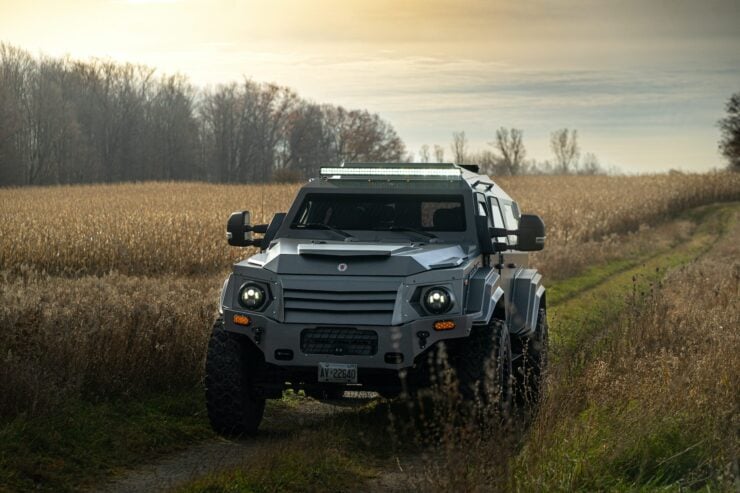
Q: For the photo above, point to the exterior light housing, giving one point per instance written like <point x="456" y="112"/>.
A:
<point x="437" y="301"/>
<point x="252" y="296"/>
<point x="444" y="325"/>
<point x="395" y="173"/>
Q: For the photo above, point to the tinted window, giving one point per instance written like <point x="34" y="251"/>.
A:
<point x="483" y="208"/>
<point x="379" y="212"/>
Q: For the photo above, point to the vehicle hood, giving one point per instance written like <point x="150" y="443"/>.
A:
<point x="314" y="257"/>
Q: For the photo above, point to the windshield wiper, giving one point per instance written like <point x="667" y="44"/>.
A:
<point x="419" y="232"/>
<point x="323" y="226"/>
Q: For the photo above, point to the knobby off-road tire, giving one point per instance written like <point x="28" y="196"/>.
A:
<point x="483" y="368"/>
<point x="531" y="367"/>
<point x="234" y="408"/>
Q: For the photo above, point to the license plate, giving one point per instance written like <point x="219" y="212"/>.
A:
<point x="337" y="373"/>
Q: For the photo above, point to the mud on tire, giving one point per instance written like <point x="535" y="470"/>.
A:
<point x="233" y="406"/>
<point x="530" y="368"/>
<point x="483" y="367"/>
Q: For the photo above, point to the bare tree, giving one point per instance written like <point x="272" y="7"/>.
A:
<point x="591" y="165"/>
<point x="730" y="129"/>
<point x="509" y="144"/>
<point x="66" y="121"/>
<point x="564" y="145"/>
<point x="424" y="154"/>
<point x="459" y="147"/>
<point x="439" y="153"/>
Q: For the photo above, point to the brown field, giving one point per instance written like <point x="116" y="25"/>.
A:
<point x="178" y="228"/>
<point x="109" y="291"/>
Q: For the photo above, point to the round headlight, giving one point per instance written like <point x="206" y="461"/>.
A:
<point x="437" y="300"/>
<point x="252" y="296"/>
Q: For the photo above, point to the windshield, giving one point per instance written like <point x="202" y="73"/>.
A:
<point x="419" y="215"/>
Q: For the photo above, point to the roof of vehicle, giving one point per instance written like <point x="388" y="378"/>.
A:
<point x="406" y="176"/>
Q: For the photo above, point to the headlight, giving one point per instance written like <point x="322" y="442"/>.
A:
<point x="252" y="296"/>
<point x="437" y="301"/>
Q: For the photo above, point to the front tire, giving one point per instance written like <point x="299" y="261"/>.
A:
<point x="532" y="364"/>
<point x="234" y="408"/>
<point x="484" y="368"/>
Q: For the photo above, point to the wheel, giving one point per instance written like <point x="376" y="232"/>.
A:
<point x="532" y="364"/>
<point x="483" y="367"/>
<point x="233" y="406"/>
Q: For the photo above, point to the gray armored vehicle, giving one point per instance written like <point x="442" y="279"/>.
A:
<point x="373" y="269"/>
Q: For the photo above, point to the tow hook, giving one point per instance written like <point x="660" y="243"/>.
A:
<point x="422" y="335"/>
<point x="258" y="335"/>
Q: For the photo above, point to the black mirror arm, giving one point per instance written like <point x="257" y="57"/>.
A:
<point x="258" y="228"/>
<point x="502" y="232"/>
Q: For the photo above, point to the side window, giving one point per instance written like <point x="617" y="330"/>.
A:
<point x="512" y="221"/>
<point x="498" y="221"/>
<point x="482" y="208"/>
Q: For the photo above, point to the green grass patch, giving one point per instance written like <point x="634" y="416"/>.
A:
<point x="608" y="444"/>
<point x="83" y="442"/>
<point x="289" y="468"/>
<point x="601" y="300"/>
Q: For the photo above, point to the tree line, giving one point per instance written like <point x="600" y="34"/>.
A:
<point x="70" y="121"/>
<point x="507" y="155"/>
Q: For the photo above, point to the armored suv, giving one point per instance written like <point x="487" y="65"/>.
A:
<point x="373" y="270"/>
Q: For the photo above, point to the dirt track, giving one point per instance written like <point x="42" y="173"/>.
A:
<point x="218" y="454"/>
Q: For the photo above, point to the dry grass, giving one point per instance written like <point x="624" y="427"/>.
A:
<point x="157" y="228"/>
<point x="93" y="337"/>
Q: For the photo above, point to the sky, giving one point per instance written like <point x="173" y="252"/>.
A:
<point x="643" y="81"/>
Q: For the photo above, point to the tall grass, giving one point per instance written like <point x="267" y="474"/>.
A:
<point x="158" y="228"/>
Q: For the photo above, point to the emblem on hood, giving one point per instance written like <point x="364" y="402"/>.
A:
<point x="342" y="267"/>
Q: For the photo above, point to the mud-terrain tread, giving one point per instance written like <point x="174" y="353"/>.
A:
<point x="233" y="407"/>
<point x="530" y="372"/>
<point x="480" y="353"/>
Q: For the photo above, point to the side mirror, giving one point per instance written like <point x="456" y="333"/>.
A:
<point x="531" y="233"/>
<point x="239" y="231"/>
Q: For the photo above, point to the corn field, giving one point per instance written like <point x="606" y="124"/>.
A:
<point x="176" y="228"/>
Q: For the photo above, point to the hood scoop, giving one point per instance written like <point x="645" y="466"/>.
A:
<point x="353" y="250"/>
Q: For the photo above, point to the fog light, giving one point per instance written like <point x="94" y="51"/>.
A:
<point x="241" y="320"/>
<point x="444" y="325"/>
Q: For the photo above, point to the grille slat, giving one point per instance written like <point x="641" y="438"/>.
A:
<point x="339" y="341"/>
<point x="326" y="306"/>
<point x="320" y="301"/>
<point x="338" y="296"/>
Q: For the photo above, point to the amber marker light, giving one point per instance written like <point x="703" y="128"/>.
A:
<point x="241" y="320"/>
<point x="444" y="325"/>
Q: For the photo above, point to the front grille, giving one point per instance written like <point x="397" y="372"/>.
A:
<point x="339" y="341"/>
<point x="323" y="303"/>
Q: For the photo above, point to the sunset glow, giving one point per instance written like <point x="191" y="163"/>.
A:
<point x="644" y="82"/>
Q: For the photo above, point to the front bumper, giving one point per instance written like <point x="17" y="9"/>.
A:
<point x="276" y="339"/>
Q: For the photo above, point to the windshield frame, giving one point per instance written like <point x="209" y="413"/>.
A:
<point x="466" y="235"/>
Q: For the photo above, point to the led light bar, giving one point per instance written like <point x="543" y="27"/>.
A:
<point x="392" y="172"/>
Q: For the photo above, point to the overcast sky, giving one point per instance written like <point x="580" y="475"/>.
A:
<point x="644" y="81"/>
